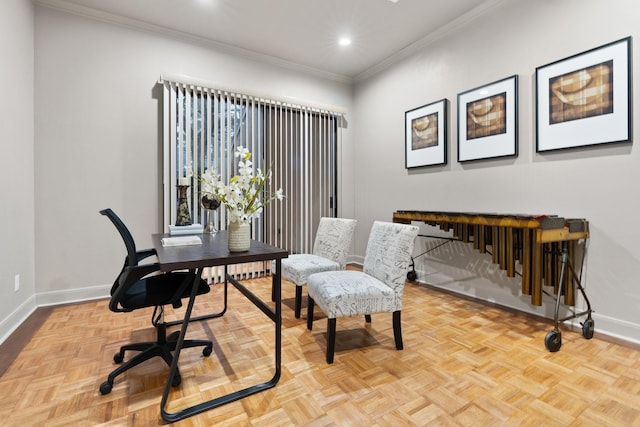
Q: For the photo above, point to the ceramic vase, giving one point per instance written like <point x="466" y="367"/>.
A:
<point x="239" y="236"/>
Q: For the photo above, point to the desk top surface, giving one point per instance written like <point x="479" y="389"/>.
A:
<point x="213" y="251"/>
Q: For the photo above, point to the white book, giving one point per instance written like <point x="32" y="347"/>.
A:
<point x="181" y="241"/>
<point x="186" y="229"/>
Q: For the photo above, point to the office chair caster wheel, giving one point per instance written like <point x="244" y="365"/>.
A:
<point x="105" y="388"/>
<point x="207" y="351"/>
<point x="118" y="357"/>
<point x="553" y="340"/>
<point x="412" y="276"/>
<point x="176" y="380"/>
<point x="587" y="329"/>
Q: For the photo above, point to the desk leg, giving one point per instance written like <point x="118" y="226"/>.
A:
<point x="277" y="286"/>
<point x="275" y="316"/>
<point x="176" y="355"/>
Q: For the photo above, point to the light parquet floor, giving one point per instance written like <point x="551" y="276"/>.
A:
<point x="464" y="364"/>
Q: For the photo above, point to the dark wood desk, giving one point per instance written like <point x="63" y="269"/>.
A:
<point x="214" y="251"/>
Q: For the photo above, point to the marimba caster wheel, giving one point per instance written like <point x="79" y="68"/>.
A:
<point x="587" y="329"/>
<point x="412" y="276"/>
<point x="553" y="340"/>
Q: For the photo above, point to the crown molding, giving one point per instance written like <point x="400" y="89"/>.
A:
<point x="110" y="18"/>
<point x="413" y="48"/>
<point x="423" y="43"/>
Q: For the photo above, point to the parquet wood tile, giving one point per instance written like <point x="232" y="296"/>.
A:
<point x="464" y="363"/>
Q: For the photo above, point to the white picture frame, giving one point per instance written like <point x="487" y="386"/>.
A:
<point x="488" y="121"/>
<point x="585" y="99"/>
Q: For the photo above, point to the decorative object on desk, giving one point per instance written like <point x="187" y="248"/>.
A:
<point x="239" y="236"/>
<point x="184" y="215"/>
<point x="585" y="99"/>
<point x="488" y="121"/>
<point x="243" y="197"/>
<point x="425" y="132"/>
<point x="210" y="203"/>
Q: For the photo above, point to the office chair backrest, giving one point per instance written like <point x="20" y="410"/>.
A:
<point x="388" y="253"/>
<point x="132" y="257"/>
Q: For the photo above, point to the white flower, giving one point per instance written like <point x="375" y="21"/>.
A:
<point x="242" y="196"/>
<point x="243" y="153"/>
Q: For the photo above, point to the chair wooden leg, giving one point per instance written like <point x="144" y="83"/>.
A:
<point x="331" y="339"/>
<point x="397" y="330"/>
<point x="298" y="301"/>
<point x="310" y="304"/>
<point x="367" y="318"/>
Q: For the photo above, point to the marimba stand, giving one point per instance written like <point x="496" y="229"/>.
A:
<point x="534" y="241"/>
<point x="553" y="339"/>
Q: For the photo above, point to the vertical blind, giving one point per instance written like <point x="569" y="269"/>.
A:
<point x="202" y="128"/>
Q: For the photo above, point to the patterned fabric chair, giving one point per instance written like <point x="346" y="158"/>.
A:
<point x="378" y="288"/>
<point x="330" y="250"/>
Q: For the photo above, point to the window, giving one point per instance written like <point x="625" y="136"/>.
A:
<point x="203" y="127"/>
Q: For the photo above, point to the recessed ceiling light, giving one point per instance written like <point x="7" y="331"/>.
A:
<point x="344" y="41"/>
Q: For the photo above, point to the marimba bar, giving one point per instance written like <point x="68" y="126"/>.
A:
<point x="543" y="245"/>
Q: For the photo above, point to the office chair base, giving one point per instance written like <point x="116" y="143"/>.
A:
<point x="149" y="350"/>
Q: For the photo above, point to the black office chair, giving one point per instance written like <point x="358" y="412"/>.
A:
<point x="137" y="287"/>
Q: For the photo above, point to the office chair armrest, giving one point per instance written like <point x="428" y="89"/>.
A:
<point x="145" y="253"/>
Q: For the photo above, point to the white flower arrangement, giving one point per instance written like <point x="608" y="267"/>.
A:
<point x="243" y="195"/>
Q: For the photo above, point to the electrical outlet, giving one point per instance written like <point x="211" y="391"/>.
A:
<point x="16" y="282"/>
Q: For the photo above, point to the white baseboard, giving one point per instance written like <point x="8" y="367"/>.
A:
<point x="616" y="328"/>
<point x="10" y="323"/>
<point x="603" y="325"/>
<point x="44" y="299"/>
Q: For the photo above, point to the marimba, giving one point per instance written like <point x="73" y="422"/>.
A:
<point x="545" y="246"/>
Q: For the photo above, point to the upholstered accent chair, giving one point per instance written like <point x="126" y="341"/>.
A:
<point x="378" y="288"/>
<point x="330" y="249"/>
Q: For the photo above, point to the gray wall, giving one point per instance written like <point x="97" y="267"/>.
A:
<point x="16" y="173"/>
<point x="98" y="144"/>
<point x="98" y="141"/>
<point x="596" y="183"/>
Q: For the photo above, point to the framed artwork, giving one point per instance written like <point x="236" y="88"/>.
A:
<point x="488" y="121"/>
<point x="585" y="99"/>
<point x="425" y="134"/>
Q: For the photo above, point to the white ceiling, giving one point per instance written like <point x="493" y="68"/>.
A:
<point x="295" y="33"/>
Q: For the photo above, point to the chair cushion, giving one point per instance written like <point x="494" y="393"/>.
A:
<point x="159" y="290"/>
<point x="298" y="267"/>
<point x="349" y="293"/>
